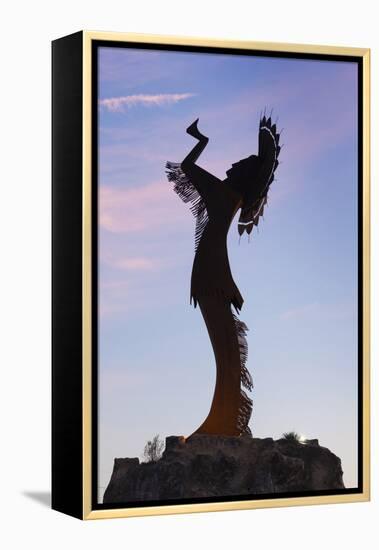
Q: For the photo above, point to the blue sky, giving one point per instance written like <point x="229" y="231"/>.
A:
<point x="298" y="275"/>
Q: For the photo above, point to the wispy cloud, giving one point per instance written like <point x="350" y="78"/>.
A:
<point x="133" y="263"/>
<point x="119" y="104"/>
<point x="137" y="209"/>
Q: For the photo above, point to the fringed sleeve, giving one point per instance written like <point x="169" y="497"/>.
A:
<point x="186" y="190"/>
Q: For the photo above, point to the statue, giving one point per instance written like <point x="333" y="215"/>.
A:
<point x="214" y="204"/>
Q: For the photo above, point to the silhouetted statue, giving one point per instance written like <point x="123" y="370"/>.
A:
<point x="214" y="204"/>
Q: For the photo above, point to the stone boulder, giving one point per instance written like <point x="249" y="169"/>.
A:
<point x="217" y="466"/>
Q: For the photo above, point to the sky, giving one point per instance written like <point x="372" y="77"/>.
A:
<point x="298" y="273"/>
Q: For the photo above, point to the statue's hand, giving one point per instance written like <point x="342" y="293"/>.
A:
<point x="194" y="131"/>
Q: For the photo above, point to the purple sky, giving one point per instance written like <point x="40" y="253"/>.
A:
<point x="297" y="275"/>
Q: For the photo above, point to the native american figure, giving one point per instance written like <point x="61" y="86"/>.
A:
<point x="214" y="205"/>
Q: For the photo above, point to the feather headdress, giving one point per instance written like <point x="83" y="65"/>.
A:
<point x="268" y="153"/>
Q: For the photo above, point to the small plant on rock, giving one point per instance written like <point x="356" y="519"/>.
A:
<point x="153" y="449"/>
<point x="292" y="436"/>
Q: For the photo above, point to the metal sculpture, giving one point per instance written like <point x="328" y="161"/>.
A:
<point x="214" y="204"/>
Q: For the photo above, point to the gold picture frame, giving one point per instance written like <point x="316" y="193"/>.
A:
<point x="73" y="368"/>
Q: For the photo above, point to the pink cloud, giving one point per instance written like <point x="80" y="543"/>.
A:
<point x="118" y="104"/>
<point x="136" y="209"/>
<point x="133" y="264"/>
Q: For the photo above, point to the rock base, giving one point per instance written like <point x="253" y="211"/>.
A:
<point x="217" y="466"/>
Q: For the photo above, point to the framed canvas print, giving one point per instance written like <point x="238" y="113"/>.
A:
<point x="210" y="275"/>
